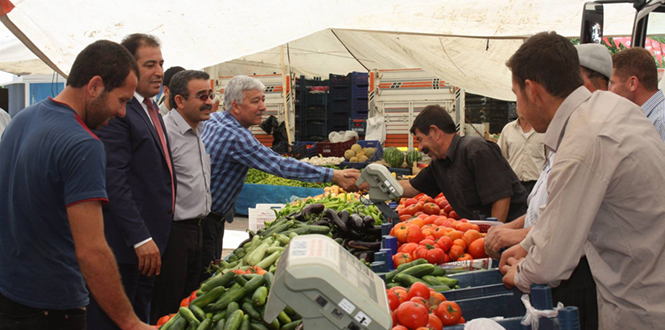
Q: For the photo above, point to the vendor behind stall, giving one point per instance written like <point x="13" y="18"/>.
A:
<point x="233" y="150"/>
<point x="470" y="171"/>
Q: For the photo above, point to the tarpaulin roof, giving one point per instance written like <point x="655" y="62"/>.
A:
<point x="464" y="42"/>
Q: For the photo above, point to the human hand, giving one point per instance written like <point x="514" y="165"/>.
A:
<point x="510" y="269"/>
<point x="346" y="179"/>
<point x="499" y="237"/>
<point x="516" y="252"/>
<point x="150" y="261"/>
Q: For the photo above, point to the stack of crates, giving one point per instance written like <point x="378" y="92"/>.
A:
<point x="311" y="109"/>
<point x="347" y="100"/>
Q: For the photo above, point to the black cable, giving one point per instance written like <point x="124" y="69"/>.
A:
<point x="347" y="49"/>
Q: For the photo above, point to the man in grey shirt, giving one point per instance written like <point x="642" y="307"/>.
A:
<point x="191" y="97"/>
<point x="605" y="189"/>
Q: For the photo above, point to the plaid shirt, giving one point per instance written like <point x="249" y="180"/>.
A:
<point x="233" y="150"/>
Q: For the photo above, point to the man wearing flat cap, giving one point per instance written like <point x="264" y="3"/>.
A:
<point x="635" y="77"/>
<point x="595" y="66"/>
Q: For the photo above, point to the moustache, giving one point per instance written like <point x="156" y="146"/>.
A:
<point x="205" y="107"/>
<point x="425" y="150"/>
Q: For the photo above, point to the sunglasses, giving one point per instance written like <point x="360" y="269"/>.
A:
<point x="205" y="97"/>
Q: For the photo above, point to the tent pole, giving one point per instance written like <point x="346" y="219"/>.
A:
<point x="285" y="90"/>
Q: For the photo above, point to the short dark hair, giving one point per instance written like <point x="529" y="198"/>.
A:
<point x="106" y="59"/>
<point x="597" y="79"/>
<point x="180" y="81"/>
<point x="137" y="40"/>
<point x="168" y="74"/>
<point x="637" y="62"/>
<point x="433" y="115"/>
<point x="550" y="60"/>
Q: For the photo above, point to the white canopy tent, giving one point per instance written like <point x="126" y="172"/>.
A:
<point x="464" y="42"/>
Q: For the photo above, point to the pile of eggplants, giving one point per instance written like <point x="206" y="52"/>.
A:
<point x="353" y="230"/>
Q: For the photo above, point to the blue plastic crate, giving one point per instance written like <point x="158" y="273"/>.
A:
<point x="478" y="278"/>
<point x="339" y="80"/>
<point x="338" y="124"/>
<point x="507" y="304"/>
<point x="316" y="99"/>
<point x="314" y="114"/>
<point x="339" y="110"/>
<point x="378" y="154"/>
<point x="311" y="151"/>
<point x="359" y="78"/>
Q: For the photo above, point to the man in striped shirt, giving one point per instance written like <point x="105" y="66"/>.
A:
<point x="233" y="150"/>
<point x="635" y="77"/>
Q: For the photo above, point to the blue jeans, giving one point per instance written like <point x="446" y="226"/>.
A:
<point x="14" y="316"/>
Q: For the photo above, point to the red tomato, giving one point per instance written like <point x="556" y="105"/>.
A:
<point x="431" y="219"/>
<point x="465" y="257"/>
<point x="418" y="289"/>
<point x="477" y="249"/>
<point x="453" y="215"/>
<point x="435" y="298"/>
<point x="419" y="253"/>
<point x="456" y="251"/>
<point x="470" y="236"/>
<point x="421" y="301"/>
<point x="400" y="232"/>
<point x="192" y="296"/>
<point x="435" y="256"/>
<point x="414" y="234"/>
<point x="460" y="242"/>
<point x="434" y="323"/>
<point x="426" y="242"/>
<point x="418" y="213"/>
<point x="448" y="312"/>
<point x="392" y="313"/>
<point x="401" y="258"/>
<point x="445" y="243"/>
<point x="184" y="302"/>
<point x="412" y="315"/>
<point x="407" y="248"/>
<point x="397" y="326"/>
<point x="442" y="205"/>
<point x="448" y="208"/>
<point x="423" y="216"/>
<point x="410" y="201"/>
<point x="401" y="294"/>
<point x="431" y="208"/>
<point x="163" y="319"/>
<point x="393" y="300"/>
<point x="404" y="217"/>
<point x="440" y="220"/>
<point x="447" y="258"/>
<point x="397" y="287"/>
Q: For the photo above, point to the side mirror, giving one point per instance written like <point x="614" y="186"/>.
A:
<point x="592" y="23"/>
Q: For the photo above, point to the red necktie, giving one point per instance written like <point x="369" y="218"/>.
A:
<point x="160" y="132"/>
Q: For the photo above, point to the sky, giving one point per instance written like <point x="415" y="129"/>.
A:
<point x="5" y="77"/>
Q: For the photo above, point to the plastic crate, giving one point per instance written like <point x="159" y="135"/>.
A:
<point x="359" y="78"/>
<point x="314" y="114"/>
<point x="311" y="147"/>
<point x="316" y="99"/>
<point x="358" y="125"/>
<point x="338" y="124"/>
<point x="339" y="80"/>
<point x="340" y="110"/>
<point x="478" y="278"/>
<point x="315" y="138"/>
<point x="378" y="154"/>
<point x="329" y="149"/>
<point x="507" y="304"/>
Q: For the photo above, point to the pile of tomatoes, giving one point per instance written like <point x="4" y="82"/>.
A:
<point x="420" y="308"/>
<point x="429" y="229"/>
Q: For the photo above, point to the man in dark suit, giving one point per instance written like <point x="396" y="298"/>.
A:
<point x="140" y="185"/>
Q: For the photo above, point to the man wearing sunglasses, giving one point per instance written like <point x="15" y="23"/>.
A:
<point x="191" y="98"/>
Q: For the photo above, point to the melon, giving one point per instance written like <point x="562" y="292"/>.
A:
<point x="353" y="159"/>
<point x="362" y="159"/>
<point x="370" y="151"/>
<point x="393" y="157"/>
<point x="348" y="154"/>
<point x="356" y="148"/>
<point x="413" y="156"/>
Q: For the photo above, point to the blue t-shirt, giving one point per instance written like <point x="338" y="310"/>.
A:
<point x="49" y="160"/>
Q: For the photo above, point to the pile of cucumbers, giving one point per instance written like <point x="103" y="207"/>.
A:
<point x="421" y="271"/>
<point x="231" y="301"/>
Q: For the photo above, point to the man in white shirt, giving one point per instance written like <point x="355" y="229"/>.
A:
<point x="524" y="150"/>
<point x="191" y="97"/>
<point x="4" y="121"/>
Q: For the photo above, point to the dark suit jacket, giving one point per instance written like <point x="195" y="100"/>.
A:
<point x="138" y="183"/>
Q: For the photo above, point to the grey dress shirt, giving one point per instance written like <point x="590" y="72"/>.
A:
<point x="192" y="166"/>
<point x="605" y="199"/>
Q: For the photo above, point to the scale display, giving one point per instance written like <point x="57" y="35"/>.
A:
<point x="328" y="287"/>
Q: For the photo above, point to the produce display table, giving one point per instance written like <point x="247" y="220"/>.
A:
<point x="252" y="194"/>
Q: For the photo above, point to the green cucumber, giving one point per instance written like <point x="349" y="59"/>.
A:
<point x="406" y="280"/>
<point x="259" y="297"/>
<point x="188" y="315"/>
<point x="283" y="318"/>
<point x="411" y="264"/>
<point x="292" y="325"/>
<point x="179" y="324"/>
<point x="257" y="326"/>
<point x="269" y="260"/>
<point x="218" y="280"/>
<point x="254" y="283"/>
<point x="208" y="297"/>
<point x="198" y="312"/>
<point x="290" y="312"/>
<point x="391" y="285"/>
<point x="232" y="307"/>
<point x="249" y="310"/>
<point x="269" y="277"/>
<point x="169" y="324"/>
<point x="220" y="324"/>
<point x="240" y="280"/>
<point x="234" y="321"/>
<point x="228" y="298"/>
<point x="245" y="323"/>
<point x="440" y="288"/>
<point x="451" y="282"/>
<point x="219" y="316"/>
<point x="438" y="271"/>
<point x="431" y="280"/>
<point x="274" y="325"/>
<point x="205" y="325"/>
<point x="418" y="270"/>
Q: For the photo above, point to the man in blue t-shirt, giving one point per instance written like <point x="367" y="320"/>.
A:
<point x="52" y="186"/>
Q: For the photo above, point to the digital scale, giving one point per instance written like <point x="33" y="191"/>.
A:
<point x="328" y="287"/>
<point x="382" y="187"/>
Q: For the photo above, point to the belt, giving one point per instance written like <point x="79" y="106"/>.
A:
<point x="216" y="216"/>
<point x="195" y="221"/>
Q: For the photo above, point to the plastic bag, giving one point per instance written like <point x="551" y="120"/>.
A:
<point x="376" y="129"/>
<point x="483" y="324"/>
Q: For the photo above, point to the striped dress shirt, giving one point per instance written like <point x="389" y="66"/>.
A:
<point x="233" y="150"/>
<point x="654" y="109"/>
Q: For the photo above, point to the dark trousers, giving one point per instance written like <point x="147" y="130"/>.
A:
<point x="213" y="236"/>
<point x="528" y="185"/>
<point x="15" y="316"/>
<point x="138" y="288"/>
<point x="580" y="291"/>
<point x="181" y="268"/>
